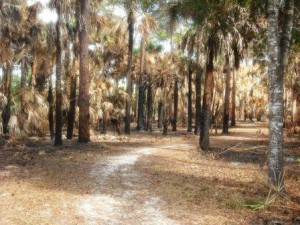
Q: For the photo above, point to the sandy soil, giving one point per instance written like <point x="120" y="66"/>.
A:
<point x="145" y="179"/>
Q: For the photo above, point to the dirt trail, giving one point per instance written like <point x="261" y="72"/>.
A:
<point x="144" y="180"/>
<point x="126" y="200"/>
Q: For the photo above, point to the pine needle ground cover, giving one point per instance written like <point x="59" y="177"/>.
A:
<point x="153" y="179"/>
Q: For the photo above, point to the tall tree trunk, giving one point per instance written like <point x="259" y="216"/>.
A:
<point x="73" y="81"/>
<point x="175" y="115"/>
<point x="207" y="97"/>
<point x="149" y="106"/>
<point x="190" y="110"/>
<point x="226" y="100"/>
<point x="7" y="76"/>
<point x="141" y="88"/>
<point x="128" y="70"/>
<point x="84" y="78"/>
<point x="58" y="110"/>
<point x="165" y="113"/>
<point x="51" y="108"/>
<point x="278" y="44"/>
<point x="164" y="120"/>
<point x="198" y="86"/>
<point x="233" y="95"/>
<point x="141" y="98"/>
<point x="160" y="116"/>
<point x="72" y="110"/>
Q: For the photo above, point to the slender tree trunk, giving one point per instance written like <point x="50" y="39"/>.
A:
<point x="84" y="78"/>
<point x="175" y="115"/>
<point x="233" y="95"/>
<point x="141" y="88"/>
<point x="165" y="120"/>
<point x="160" y="116"/>
<point x="160" y="107"/>
<point x="58" y="110"/>
<point x="190" y="110"/>
<point x="149" y="107"/>
<point x="198" y="87"/>
<point x="278" y="44"/>
<point x="128" y="70"/>
<point x="165" y="113"/>
<point x="141" y="97"/>
<point x="72" y="110"/>
<point x="51" y="108"/>
<point x="7" y="76"/>
<point x="207" y="98"/>
<point x="226" y="100"/>
<point x="73" y="81"/>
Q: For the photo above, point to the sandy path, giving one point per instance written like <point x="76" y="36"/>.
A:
<point x="121" y="193"/>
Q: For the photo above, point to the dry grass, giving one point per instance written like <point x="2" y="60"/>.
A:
<point x="43" y="185"/>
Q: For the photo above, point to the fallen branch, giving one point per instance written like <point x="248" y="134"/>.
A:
<point x="230" y="148"/>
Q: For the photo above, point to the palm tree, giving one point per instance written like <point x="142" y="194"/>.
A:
<point x="73" y="78"/>
<point x="131" y="21"/>
<point x="279" y="36"/>
<point x="227" y="94"/>
<point x="84" y="77"/>
<point x="148" y="24"/>
<point x="58" y="108"/>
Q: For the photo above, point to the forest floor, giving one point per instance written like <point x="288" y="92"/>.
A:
<point x="147" y="179"/>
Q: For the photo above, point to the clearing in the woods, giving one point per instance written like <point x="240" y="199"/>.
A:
<point x="146" y="179"/>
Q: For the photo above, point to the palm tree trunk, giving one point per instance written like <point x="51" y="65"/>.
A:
<point x="160" y="107"/>
<point x="149" y="107"/>
<point x="226" y="100"/>
<point x="73" y="81"/>
<point x="190" y="110"/>
<point x="175" y="115"/>
<point x="160" y="116"/>
<point x="198" y="87"/>
<point x="207" y="98"/>
<point x="7" y="76"/>
<point x="128" y="70"/>
<point x="71" y="113"/>
<point x="233" y="95"/>
<point x="84" y="78"/>
<point x="141" y="98"/>
<point x="278" y="52"/>
<point x="51" y="108"/>
<point x="58" y="110"/>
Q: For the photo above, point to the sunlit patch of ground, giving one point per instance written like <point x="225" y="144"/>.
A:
<point x="144" y="179"/>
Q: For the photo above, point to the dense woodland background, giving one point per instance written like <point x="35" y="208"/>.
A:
<point x="188" y="64"/>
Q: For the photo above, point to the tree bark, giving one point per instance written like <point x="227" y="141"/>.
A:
<point x="84" y="78"/>
<point x="226" y="100"/>
<point x="278" y="45"/>
<point x="128" y="70"/>
<point x="175" y="115"/>
<point x="141" y="98"/>
<point x="7" y="76"/>
<point x="51" y="108"/>
<point x="233" y="95"/>
<point x="190" y="110"/>
<point x="58" y="111"/>
<point x="72" y="110"/>
<point x="149" y="107"/>
<point x="160" y="107"/>
<point x="207" y="97"/>
<point x="198" y="87"/>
